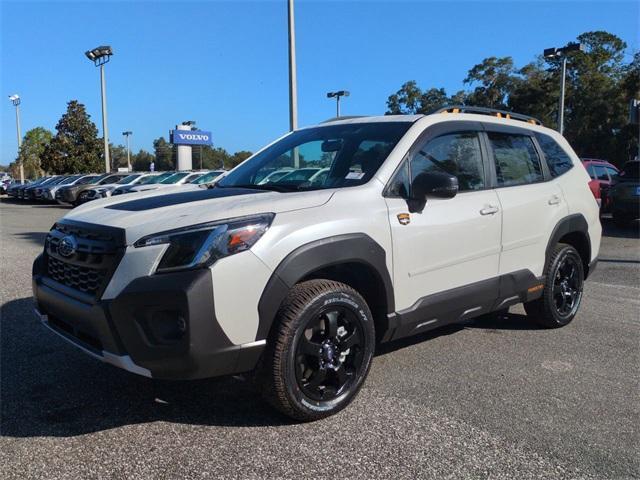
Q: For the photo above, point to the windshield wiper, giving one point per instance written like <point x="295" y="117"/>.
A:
<point x="271" y="187"/>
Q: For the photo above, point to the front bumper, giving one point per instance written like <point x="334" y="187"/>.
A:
<point x="160" y="326"/>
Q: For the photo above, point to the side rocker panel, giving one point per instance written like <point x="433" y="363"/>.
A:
<point x="327" y="252"/>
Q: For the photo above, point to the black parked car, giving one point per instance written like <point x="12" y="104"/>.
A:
<point x="624" y="194"/>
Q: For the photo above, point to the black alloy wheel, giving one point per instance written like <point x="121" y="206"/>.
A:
<point x="320" y="351"/>
<point x="563" y="288"/>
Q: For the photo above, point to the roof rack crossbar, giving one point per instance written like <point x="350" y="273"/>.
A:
<point x="489" y="111"/>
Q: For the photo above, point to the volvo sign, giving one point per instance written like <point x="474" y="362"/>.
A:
<point x="190" y="137"/>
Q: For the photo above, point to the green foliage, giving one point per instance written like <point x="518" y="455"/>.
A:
<point x="141" y="161"/>
<point x="599" y="86"/>
<point x="33" y="146"/>
<point x="118" y="156"/>
<point x="76" y="147"/>
<point x="165" y="154"/>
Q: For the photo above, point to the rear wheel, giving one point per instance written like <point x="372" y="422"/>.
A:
<point x="562" y="290"/>
<point x="321" y="352"/>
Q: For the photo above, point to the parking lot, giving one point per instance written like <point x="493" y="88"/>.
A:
<point x="496" y="397"/>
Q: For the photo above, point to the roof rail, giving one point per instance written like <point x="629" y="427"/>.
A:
<point x="489" y="111"/>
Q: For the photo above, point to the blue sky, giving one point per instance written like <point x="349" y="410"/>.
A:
<point x="224" y="64"/>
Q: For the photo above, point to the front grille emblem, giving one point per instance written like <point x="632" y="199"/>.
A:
<point x="67" y="246"/>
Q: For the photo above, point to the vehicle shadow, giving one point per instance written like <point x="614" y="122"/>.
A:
<point x="37" y="238"/>
<point x="48" y="388"/>
<point x="490" y="322"/>
<point x="610" y="229"/>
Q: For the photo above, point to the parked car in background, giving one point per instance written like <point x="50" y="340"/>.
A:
<point x="178" y="178"/>
<point x="151" y="178"/>
<point x="275" y="175"/>
<point x="38" y="192"/>
<point x="208" y="178"/>
<point x="71" y="194"/>
<point x="28" y="193"/>
<point x="49" y="192"/>
<point x="601" y="173"/>
<point x="103" y="191"/>
<point x="15" y="190"/>
<point x="5" y="184"/>
<point x="624" y="194"/>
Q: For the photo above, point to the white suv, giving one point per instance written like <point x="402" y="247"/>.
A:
<point x="421" y="221"/>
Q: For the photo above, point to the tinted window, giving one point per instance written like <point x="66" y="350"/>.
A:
<point x="457" y="154"/>
<point x="557" y="159"/>
<point x="611" y="171"/>
<point x="516" y="159"/>
<point x="601" y="172"/>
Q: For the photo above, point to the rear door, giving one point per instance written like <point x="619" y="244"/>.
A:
<point x="531" y="201"/>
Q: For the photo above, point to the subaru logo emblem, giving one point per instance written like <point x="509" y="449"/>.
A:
<point x="67" y="246"/>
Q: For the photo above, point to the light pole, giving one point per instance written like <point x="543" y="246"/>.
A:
<point x="562" y="53"/>
<point x="293" y="82"/>
<point x="99" y="56"/>
<point x="337" y="95"/>
<point x="15" y="99"/>
<point x="126" y="134"/>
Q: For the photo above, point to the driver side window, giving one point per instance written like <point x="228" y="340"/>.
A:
<point x="457" y="154"/>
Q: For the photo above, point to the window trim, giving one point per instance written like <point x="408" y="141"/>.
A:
<point x="438" y="130"/>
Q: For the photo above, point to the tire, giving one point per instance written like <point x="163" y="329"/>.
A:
<point x="563" y="289"/>
<point x="320" y="352"/>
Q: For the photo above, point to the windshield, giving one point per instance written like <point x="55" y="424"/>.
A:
<point x="110" y="179"/>
<point x="128" y="179"/>
<point x="176" y="177"/>
<point x="207" y="177"/>
<point x="154" y="178"/>
<point x="352" y="153"/>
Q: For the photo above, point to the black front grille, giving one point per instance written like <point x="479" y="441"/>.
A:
<point x="85" y="279"/>
<point x="89" y="266"/>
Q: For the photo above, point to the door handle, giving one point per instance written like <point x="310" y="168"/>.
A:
<point x="554" y="200"/>
<point x="489" y="210"/>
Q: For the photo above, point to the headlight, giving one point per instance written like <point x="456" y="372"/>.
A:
<point x="201" y="245"/>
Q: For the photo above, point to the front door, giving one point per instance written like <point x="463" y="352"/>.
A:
<point x="453" y="242"/>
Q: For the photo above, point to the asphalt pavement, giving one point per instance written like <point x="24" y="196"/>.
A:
<point x="496" y="397"/>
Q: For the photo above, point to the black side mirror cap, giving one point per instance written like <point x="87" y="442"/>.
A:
<point x="431" y="184"/>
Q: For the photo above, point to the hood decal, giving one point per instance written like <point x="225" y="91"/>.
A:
<point x="159" y="201"/>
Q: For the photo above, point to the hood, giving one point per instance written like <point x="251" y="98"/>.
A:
<point x="156" y="211"/>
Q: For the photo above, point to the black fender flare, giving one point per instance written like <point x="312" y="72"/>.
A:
<point x="326" y="252"/>
<point x="570" y="224"/>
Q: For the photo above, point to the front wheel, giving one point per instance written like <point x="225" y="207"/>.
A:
<point x="562" y="290"/>
<point x="320" y="354"/>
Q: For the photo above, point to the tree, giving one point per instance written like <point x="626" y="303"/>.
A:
<point x="76" y="147"/>
<point x="495" y="80"/>
<point x="141" y="161"/>
<point x="237" y="158"/>
<point x="599" y="86"/>
<point x="33" y="146"/>
<point x="410" y="99"/>
<point x="165" y="154"/>
<point x="118" y="156"/>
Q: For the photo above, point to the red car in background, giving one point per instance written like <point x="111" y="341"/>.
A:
<point x="601" y="173"/>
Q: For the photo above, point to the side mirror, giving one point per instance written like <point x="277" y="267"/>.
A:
<point x="431" y="184"/>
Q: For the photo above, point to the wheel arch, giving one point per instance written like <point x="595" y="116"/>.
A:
<point x="354" y="259"/>
<point x="572" y="230"/>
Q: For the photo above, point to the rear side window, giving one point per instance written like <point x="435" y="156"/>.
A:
<point x="517" y="161"/>
<point x="557" y="159"/>
<point x="601" y="172"/>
